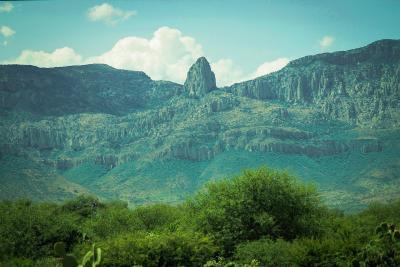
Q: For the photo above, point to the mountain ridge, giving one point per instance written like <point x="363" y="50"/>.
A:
<point x="385" y="44"/>
<point x="380" y="42"/>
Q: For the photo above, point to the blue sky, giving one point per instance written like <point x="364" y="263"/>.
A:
<point x="242" y="39"/>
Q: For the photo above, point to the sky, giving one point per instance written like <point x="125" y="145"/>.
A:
<point x="242" y="39"/>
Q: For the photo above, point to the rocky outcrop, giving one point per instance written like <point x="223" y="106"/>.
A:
<point x="200" y="79"/>
<point x="190" y="150"/>
<point x="198" y="151"/>
<point x="39" y="137"/>
<point x="233" y="135"/>
<point x="218" y="103"/>
<point x="109" y="161"/>
<point x="356" y="86"/>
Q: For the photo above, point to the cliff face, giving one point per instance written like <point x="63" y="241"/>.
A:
<point x="356" y="86"/>
<point x="120" y="134"/>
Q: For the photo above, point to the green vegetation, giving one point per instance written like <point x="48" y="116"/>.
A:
<point x="260" y="218"/>
<point x="258" y="204"/>
<point x="91" y="259"/>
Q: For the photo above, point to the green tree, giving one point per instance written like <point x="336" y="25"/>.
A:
<point x="382" y="250"/>
<point x="84" y="206"/>
<point x="158" y="216"/>
<point x="267" y="252"/>
<point x="257" y="204"/>
<point x="29" y="230"/>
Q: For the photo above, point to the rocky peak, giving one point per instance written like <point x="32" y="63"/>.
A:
<point x="200" y="79"/>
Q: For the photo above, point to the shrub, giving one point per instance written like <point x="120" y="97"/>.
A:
<point x="84" y="206"/>
<point x="260" y="203"/>
<point x="112" y="221"/>
<point x="379" y="212"/>
<point x="325" y="251"/>
<point x="221" y="262"/>
<point x="158" y="216"/>
<point x="92" y="258"/>
<point x="29" y="230"/>
<point x="383" y="249"/>
<point x="267" y="252"/>
<point x="158" y="249"/>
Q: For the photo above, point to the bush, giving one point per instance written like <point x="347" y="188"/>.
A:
<point x="158" y="216"/>
<point x="261" y="203"/>
<point x="379" y="212"/>
<point x="112" y="221"/>
<point x="383" y="249"/>
<point x="267" y="252"/>
<point x="300" y="252"/>
<point x="221" y="262"/>
<point x="158" y="249"/>
<point x="325" y="251"/>
<point x="84" y="206"/>
<point x="29" y="230"/>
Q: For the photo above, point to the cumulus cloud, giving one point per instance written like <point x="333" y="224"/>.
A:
<point x="108" y="14"/>
<point x="6" y="31"/>
<point x="227" y="72"/>
<point x="167" y="55"/>
<point x="326" y="42"/>
<point x="60" y="57"/>
<point x="271" y="66"/>
<point x="6" y="7"/>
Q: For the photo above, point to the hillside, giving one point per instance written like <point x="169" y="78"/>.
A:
<point x="331" y="118"/>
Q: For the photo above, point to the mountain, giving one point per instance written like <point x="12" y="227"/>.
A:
<point x="331" y="118"/>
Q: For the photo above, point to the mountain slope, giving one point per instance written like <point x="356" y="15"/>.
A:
<point x="331" y="118"/>
<point x="356" y="86"/>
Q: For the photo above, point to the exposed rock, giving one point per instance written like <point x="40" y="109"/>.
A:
<point x="200" y="79"/>
<point x="217" y="103"/>
<point x="355" y="86"/>
<point x="192" y="151"/>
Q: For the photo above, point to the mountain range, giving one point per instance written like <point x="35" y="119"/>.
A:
<point x="332" y="119"/>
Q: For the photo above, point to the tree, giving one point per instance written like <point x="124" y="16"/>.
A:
<point x="257" y="204"/>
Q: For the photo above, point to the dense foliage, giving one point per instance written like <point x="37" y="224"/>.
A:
<point x="261" y="203"/>
<point x="261" y="218"/>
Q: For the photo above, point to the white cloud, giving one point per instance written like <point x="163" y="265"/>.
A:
<point x="271" y="66"/>
<point x="167" y="55"/>
<point x="109" y="14"/>
<point x="227" y="72"/>
<point x="326" y="42"/>
<point x="6" y="7"/>
<point x="6" y="31"/>
<point x="60" y="57"/>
